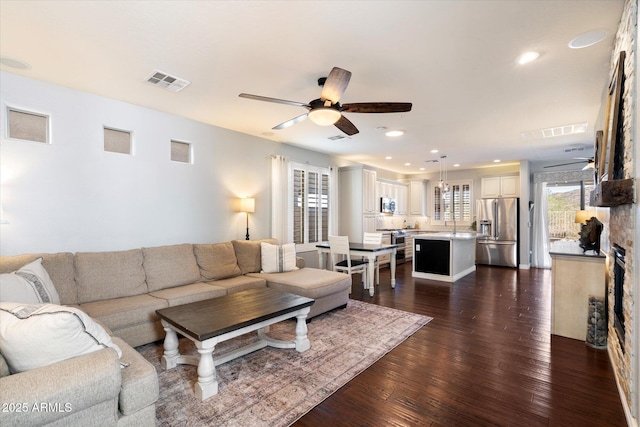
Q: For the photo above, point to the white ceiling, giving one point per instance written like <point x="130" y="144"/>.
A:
<point x="454" y="60"/>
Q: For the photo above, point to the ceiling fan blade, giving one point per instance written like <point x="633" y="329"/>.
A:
<point x="291" y="122"/>
<point x="562" y="164"/>
<point x="335" y="85"/>
<point x="346" y="126"/>
<point x="377" y="107"/>
<point x="276" y="100"/>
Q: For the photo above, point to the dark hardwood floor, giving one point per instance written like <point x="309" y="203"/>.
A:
<point x="486" y="358"/>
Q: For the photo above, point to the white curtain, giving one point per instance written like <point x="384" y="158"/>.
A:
<point x="540" y="240"/>
<point x="280" y="199"/>
<point x="333" y="202"/>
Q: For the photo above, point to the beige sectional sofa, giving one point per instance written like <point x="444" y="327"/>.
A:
<point x="122" y="290"/>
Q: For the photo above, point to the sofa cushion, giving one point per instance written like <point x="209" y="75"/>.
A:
<point x="108" y="275"/>
<point x="139" y="387"/>
<point x="125" y="312"/>
<point x="59" y="266"/>
<point x="169" y="266"/>
<point x="217" y="261"/>
<point x="240" y="283"/>
<point x="189" y="293"/>
<point x="248" y="254"/>
<point x="308" y="282"/>
<point x="35" y="335"/>
<point x="30" y="284"/>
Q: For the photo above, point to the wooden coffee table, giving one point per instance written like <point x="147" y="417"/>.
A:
<point x="211" y="321"/>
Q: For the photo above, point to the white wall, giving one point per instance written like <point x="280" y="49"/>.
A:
<point x="70" y="195"/>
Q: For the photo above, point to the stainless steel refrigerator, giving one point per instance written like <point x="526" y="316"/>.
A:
<point x="498" y="232"/>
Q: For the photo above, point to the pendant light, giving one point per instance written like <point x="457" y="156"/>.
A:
<point x="442" y="183"/>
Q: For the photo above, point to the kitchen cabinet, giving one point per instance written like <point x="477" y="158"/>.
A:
<point x="369" y="191"/>
<point x="418" y="197"/>
<point x="444" y="256"/>
<point x="386" y="258"/>
<point x="358" y="205"/>
<point x="500" y="186"/>
<point x="408" y="246"/>
<point x="400" y="191"/>
<point x="396" y="191"/>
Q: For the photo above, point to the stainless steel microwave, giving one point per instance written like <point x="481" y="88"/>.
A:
<point x="387" y="205"/>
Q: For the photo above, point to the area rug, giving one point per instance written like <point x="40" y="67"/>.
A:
<point x="275" y="387"/>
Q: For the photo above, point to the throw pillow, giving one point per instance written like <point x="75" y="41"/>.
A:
<point x="30" y="284"/>
<point x="278" y="259"/>
<point x="217" y="261"/>
<point x="35" y="335"/>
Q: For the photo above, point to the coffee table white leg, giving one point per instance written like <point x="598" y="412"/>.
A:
<point x="302" y="341"/>
<point x="207" y="384"/>
<point x="171" y="353"/>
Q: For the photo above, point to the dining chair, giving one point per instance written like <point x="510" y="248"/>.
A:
<point x="339" y="247"/>
<point x="373" y="239"/>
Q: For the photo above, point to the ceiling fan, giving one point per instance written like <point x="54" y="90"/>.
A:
<point x="327" y="110"/>
<point x="590" y="163"/>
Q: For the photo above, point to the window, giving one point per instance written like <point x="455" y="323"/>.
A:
<point x="310" y="196"/>
<point x="180" y="151"/>
<point x="454" y="204"/>
<point x="27" y="126"/>
<point x="563" y="200"/>
<point x="117" y="141"/>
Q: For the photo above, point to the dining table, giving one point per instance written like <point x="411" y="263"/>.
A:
<point x="368" y="251"/>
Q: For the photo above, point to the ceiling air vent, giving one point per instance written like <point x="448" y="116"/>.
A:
<point x="336" y="138"/>
<point x="162" y="79"/>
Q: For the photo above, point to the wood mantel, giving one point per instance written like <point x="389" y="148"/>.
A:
<point x="614" y="192"/>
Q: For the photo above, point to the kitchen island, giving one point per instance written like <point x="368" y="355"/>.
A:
<point x="443" y="256"/>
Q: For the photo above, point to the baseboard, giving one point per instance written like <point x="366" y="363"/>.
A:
<point x="524" y="266"/>
<point x="632" y="422"/>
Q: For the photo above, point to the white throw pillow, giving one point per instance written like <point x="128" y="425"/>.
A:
<point x="278" y="259"/>
<point x="30" y="284"/>
<point x="35" y="335"/>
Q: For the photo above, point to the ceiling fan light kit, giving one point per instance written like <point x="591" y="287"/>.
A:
<point x="324" y="116"/>
<point x="326" y="110"/>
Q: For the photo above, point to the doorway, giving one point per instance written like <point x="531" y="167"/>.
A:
<point x="563" y="201"/>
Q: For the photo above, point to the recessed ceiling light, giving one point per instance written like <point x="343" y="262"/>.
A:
<point x="421" y="169"/>
<point x="527" y="57"/>
<point x="496" y="161"/>
<point x="407" y="164"/>
<point x="457" y="165"/>
<point x="388" y="157"/>
<point x="434" y="151"/>
<point x="14" y="63"/>
<point x="587" y="39"/>
<point x="394" y="133"/>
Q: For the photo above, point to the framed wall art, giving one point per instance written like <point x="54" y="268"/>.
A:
<point x="612" y="135"/>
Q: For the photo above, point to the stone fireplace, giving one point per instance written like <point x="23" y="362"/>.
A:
<point x="622" y="341"/>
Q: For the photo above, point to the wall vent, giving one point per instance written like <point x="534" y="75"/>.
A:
<point x="162" y="79"/>
<point x="336" y="138"/>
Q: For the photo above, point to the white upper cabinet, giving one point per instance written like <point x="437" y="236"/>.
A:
<point x="418" y="197"/>
<point x="369" y="191"/>
<point x="401" y="191"/>
<point x="500" y="186"/>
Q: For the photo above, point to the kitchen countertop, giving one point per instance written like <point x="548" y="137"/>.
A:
<point x="572" y="249"/>
<point x="447" y="235"/>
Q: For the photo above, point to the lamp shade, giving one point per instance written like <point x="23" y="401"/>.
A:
<point x="247" y="204"/>
<point x="324" y="116"/>
<point x="582" y="216"/>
